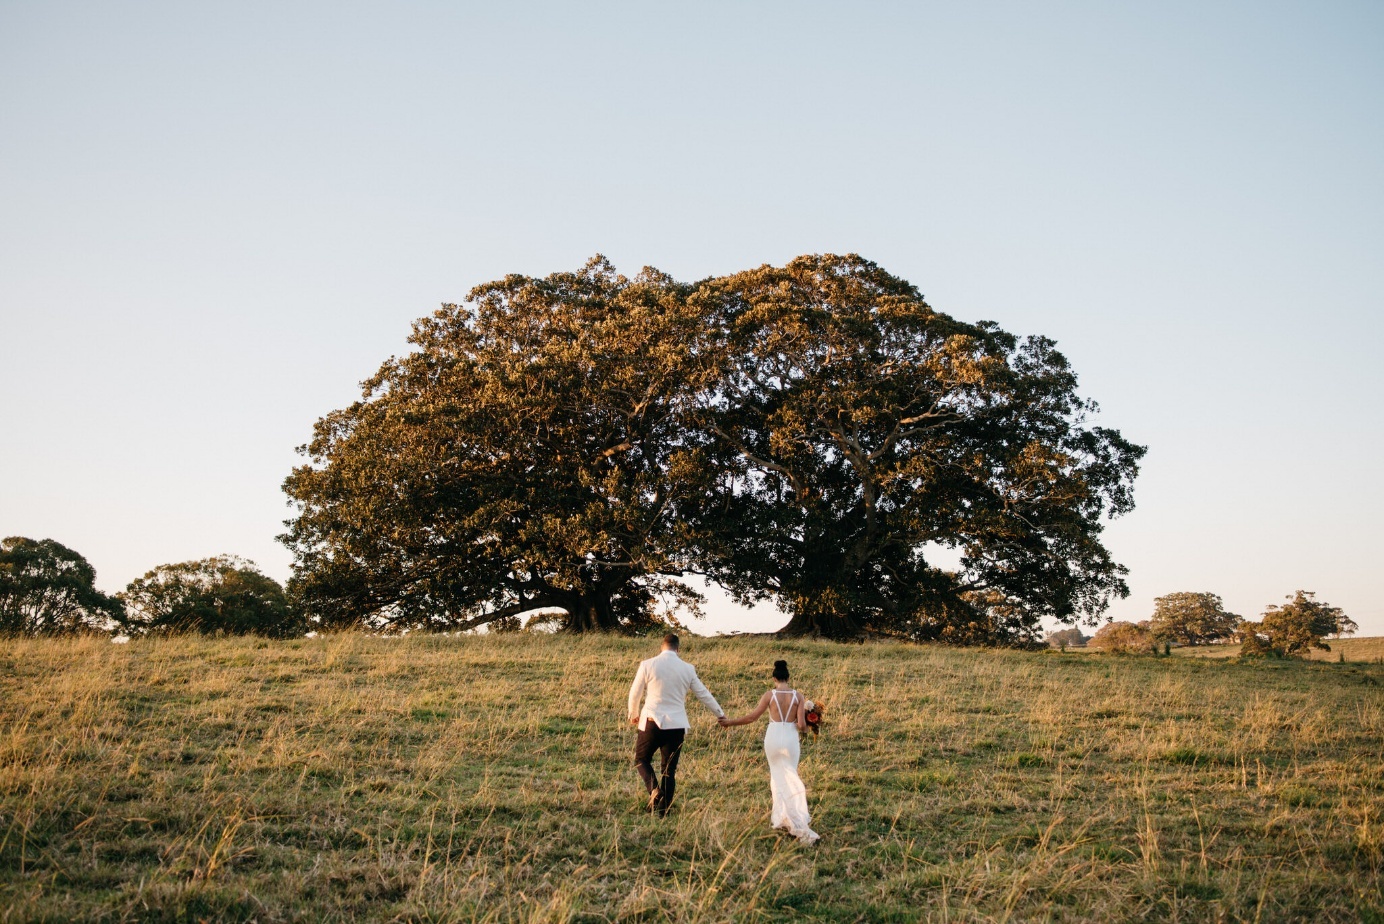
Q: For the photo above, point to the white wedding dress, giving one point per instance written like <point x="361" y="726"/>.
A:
<point x="782" y="748"/>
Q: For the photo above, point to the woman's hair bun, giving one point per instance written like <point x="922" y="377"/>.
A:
<point x="780" y="670"/>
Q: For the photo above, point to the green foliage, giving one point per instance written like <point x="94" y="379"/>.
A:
<point x="535" y="451"/>
<point x="866" y="425"/>
<point x="1192" y="619"/>
<point x="48" y="589"/>
<point x="222" y="594"/>
<point x="578" y="442"/>
<point x="1294" y="629"/>
<point x="1122" y="638"/>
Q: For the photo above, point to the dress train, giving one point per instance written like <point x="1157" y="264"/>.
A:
<point x="782" y="748"/>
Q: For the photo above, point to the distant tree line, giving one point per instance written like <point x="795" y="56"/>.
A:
<point x="1185" y="619"/>
<point x="48" y="589"/>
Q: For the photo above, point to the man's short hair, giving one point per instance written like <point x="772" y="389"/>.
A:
<point x="670" y="641"/>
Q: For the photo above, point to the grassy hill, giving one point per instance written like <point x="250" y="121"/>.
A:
<point x="489" y="779"/>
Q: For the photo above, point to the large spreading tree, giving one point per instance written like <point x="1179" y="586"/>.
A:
<point x="1192" y="619"/>
<point x="809" y="433"/>
<point x="535" y="451"/>
<point x="869" y="429"/>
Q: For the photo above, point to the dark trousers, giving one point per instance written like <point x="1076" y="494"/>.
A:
<point x="669" y="745"/>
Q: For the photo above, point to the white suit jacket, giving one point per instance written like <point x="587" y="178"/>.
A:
<point x="666" y="679"/>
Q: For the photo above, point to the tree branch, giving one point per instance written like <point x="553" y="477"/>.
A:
<point x="798" y="488"/>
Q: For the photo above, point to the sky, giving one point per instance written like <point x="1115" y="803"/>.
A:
<point x="217" y="219"/>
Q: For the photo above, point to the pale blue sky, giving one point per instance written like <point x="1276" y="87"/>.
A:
<point x="216" y="219"/>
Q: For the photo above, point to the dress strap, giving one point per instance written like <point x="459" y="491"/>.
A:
<point x="782" y="713"/>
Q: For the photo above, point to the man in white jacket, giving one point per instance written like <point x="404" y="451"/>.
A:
<point x="663" y="720"/>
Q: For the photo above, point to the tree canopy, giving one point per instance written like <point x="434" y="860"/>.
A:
<point x="1122" y="638"/>
<point x="867" y="426"/>
<point x="221" y="594"/>
<point x="47" y="588"/>
<point x="1192" y="619"/>
<point x="535" y="451"/>
<point x="804" y="433"/>
<point x="1295" y="628"/>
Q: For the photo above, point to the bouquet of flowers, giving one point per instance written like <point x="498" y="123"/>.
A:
<point x="812" y="715"/>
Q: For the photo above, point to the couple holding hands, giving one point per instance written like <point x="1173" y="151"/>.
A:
<point x="662" y="682"/>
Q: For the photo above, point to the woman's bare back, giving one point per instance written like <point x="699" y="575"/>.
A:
<point x="784" y="705"/>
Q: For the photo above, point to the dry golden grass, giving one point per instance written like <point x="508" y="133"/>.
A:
<point x="1352" y="650"/>
<point x="489" y="779"/>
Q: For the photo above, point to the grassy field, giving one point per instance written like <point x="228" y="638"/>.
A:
<point x="489" y="779"/>
<point x="1352" y="650"/>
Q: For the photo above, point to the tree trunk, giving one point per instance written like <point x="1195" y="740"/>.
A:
<point x="821" y="615"/>
<point x="591" y="611"/>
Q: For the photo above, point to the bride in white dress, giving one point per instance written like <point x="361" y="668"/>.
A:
<point x="786" y="717"/>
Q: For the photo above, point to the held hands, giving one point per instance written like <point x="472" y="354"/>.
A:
<point x="723" y="721"/>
